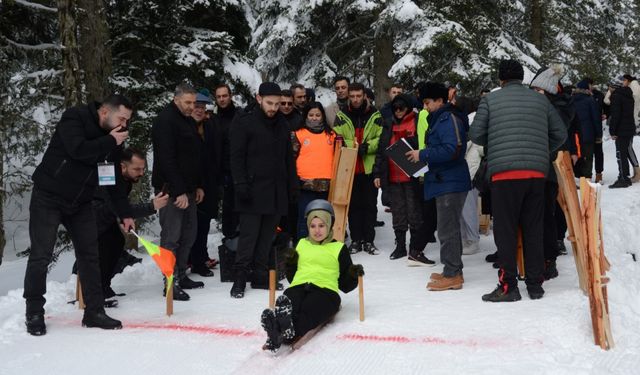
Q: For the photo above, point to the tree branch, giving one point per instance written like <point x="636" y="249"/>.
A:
<point x="36" y="6"/>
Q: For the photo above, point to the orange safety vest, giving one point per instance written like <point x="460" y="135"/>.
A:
<point x="315" y="159"/>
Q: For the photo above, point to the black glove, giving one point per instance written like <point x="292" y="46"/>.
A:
<point x="362" y="149"/>
<point x="356" y="270"/>
<point x="292" y="257"/>
<point x="243" y="192"/>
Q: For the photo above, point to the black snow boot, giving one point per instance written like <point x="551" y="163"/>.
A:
<point x="550" y="270"/>
<point x="535" y="291"/>
<point x="239" y="285"/>
<point x="503" y="293"/>
<point x="562" y="249"/>
<point x="187" y="283"/>
<point x="35" y="324"/>
<point x="283" y="312"/>
<point x="270" y="325"/>
<point x="98" y="319"/>
<point x="401" y="245"/>
<point x="178" y="293"/>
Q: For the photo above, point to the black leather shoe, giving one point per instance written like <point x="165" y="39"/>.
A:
<point x="100" y="320"/>
<point x="178" y="293"/>
<point x="187" y="283"/>
<point x="237" y="290"/>
<point x="202" y="271"/>
<point x="35" y="324"/>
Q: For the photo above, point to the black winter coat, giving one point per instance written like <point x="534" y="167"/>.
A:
<point x="589" y="117"/>
<point x="261" y="156"/>
<point x="223" y="119"/>
<point x="176" y="152"/>
<point x="104" y="207"/>
<point x="211" y="164"/>
<point x="621" y="122"/>
<point x="69" y="167"/>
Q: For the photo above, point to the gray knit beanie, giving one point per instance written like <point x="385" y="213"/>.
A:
<point x="548" y="78"/>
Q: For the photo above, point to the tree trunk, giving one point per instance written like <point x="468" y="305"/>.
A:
<point x="95" y="49"/>
<point x="536" y="23"/>
<point x="3" y="131"/>
<point x="382" y="63"/>
<point x="67" y="29"/>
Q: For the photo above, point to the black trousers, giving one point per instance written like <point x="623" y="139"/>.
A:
<point x="230" y="219"/>
<point x="598" y="157"/>
<point x="110" y="248"/>
<point x="199" y="253"/>
<point x="426" y="233"/>
<point x="312" y="306"/>
<point x="586" y="166"/>
<point x="519" y="203"/>
<point x="622" y="155"/>
<point x="363" y="208"/>
<point x="254" y="245"/>
<point x="550" y="228"/>
<point x="47" y="212"/>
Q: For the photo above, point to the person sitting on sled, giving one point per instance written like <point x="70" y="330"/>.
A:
<point x="316" y="269"/>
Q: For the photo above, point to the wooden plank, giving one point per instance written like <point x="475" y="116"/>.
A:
<point x="272" y="289"/>
<point x="299" y="342"/>
<point x="520" y="255"/>
<point x="337" y="151"/>
<point x="170" y="282"/>
<point x="361" y="297"/>
<point x="79" y="296"/>
<point x="340" y="226"/>
<point x="344" y="176"/>
<point x="575" y="220"/>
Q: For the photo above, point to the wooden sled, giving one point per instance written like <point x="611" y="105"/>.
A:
<point x="344" y="165"/>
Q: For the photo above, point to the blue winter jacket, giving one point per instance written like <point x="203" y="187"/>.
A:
<point x="444" y="153"/>
<point x="589" y="117"/>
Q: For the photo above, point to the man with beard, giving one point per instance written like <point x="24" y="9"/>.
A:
<point x="110" y="238"/>
<point x="265" y="182"/>
<point x="341" y="87"/>
<point x="176" y="168"/>
<point x="81" y="154"/>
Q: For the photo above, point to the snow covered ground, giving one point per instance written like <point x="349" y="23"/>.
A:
<point x="408" y="330"/>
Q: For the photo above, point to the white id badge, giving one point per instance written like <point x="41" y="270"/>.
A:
<point x="106" y="174"/>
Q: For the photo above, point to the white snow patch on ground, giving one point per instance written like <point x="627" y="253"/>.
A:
<point x="407" y="330"/>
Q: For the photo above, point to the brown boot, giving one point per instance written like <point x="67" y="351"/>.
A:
<point x="636" y="174"/>
<point x="446" y="283"/>
<point x="598" y="178"/>
<point x="438" y="276"/>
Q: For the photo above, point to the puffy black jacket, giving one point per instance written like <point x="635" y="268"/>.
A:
<point x="176" y="152"/>
<point x="621" y="122"/>
<point x="69" y="167"/>
<point x="589" y="117"/>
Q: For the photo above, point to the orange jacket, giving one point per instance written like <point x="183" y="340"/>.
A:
<point x="315" y="158"/>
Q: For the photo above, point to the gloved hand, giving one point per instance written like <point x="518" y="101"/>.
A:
<point x="292" y="257"/>
<point x="362" y="149"/>
<point x="243" y="192"/>
<point x="356" y="270"/>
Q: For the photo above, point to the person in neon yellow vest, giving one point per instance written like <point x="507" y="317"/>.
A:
<point x="316" y="269"/>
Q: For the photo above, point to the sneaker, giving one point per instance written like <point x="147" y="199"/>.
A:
<point x="399" y="252"/>
<point x="237" y="290"/>
<point x="470" y="247"/>
<point x="446" y="283"/>
<point x="502" y="293"/>
<point x="562" y="249"/>
<point x="203" y="271"/>
<point x="620" y="183"/>
<point x="418" y="259"/>
<point x="535" y="291"/>
<point x="178" y="293"/>
<point x="355" y="247"/>
<point x="187" y="283"/>
<point x="100" y="320"/>
<point x="550" y="270"/>
<point x="270" y="325"/>
<point x="283" y="312"/>
<point x="492" y="258"/>
<point x="438" y="276"/>
<point x="35" y="324"/>
<point x="370" y="248"/>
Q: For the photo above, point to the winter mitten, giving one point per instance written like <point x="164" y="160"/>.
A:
<point x="356" y="270"/>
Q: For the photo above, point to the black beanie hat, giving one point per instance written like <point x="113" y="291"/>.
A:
<point x="269" y="88"/>
<point x="510" y="69"/>
<point x="434" y="90"/>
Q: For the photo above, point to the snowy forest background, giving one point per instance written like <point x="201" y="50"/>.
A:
<point x="57" y="53"/>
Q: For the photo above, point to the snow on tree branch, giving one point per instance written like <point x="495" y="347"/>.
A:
<point x="36" y="6"/>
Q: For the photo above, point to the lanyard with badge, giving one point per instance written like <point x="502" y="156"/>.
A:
<point x="106" y="174"/>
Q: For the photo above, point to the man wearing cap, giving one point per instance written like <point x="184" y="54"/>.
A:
<point x="210" y="139"/>
<point x="447" y="180"/>
<point x="519" y="128"/>
<point x="265" y="181"/>
<point x="590" y="126"/>
<point x="177" y="170"/>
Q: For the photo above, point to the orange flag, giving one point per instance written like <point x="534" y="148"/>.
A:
<point x="164" y="258"/>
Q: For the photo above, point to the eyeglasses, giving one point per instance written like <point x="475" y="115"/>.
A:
<point x="286" y="104"/>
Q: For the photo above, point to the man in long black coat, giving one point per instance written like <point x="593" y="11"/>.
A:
<point x="264" y="178"/>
